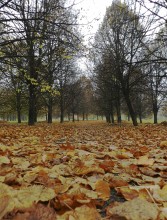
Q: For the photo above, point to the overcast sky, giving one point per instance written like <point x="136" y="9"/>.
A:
<point x="91" y="15"/>
<point x="92" y="12"/>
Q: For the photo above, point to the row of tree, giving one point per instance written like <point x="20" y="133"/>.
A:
<point x="38" y="49"/>
<point x="130" y="61"/>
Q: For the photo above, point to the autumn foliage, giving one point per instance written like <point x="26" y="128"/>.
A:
<point x="78" y="171"/>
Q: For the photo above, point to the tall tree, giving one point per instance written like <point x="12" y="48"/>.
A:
<point x="42" y="26"/>
<point x="122" y="36"/>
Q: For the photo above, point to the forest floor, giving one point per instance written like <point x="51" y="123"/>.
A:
<point x="83" y="171"/>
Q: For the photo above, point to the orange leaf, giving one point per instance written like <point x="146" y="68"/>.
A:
<point x="128" y="193"/>
<point x="103" y="189"/>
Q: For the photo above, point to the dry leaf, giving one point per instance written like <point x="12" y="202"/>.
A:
<point x="160" y="195"/>
<point x="4" y="160"/>
<point x="81" y="213"/>
<point x="72" y="175"/>
<point x="136" y="209"/>
<point x="128" y="193"/>
<point x="163" y="144"/>
<point x="7" y="205"/>
<point x="103" y="189"/>
<point x="145" y="161"/>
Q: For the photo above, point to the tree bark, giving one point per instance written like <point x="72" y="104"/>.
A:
<point x="118" y="110"/>
<point x="112" y="117"/>
<point x="83" y="116"/>
<point x="62" y="114"/>
<point x="73" y="116"/>
<point x="18" y="100"/>
<point x="131" y="110"/>
<point x="50" y="110"/>
<point x="32" y="103"/>
<point x="140" y="118"/>
<point x="61" y="108"/>
<point x="155" y="112"/>
<point x="108" y="119"/>
<point x="32" y="113"/>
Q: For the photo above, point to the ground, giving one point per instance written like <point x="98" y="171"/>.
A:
<point x="83" y="170"/>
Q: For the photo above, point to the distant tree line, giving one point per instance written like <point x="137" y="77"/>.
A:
<point x="39" y="46"/>
<point x="39" y="73"/>
<point x="130" y="61"/>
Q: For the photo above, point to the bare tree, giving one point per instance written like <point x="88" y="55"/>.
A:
<point x="123" y="37"/>
<point x="42" y="26"/>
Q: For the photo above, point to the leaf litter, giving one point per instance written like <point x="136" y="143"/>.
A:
<point x="83" y="170"/>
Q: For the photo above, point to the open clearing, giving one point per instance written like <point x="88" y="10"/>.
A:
<point x="83" y="170"/>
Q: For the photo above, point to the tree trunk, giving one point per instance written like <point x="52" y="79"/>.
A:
<point x="69" y="117"/>
<point x="32" y="113"/>
<point x="108" y="119"/>
<point x="35" y="114"/>
<point x="62" y="117"/>
<point x="118" y="104"/>
<point x="32" y="103"/>
<point x="155" y="112"/>
<point x="83" y="116"/>
<point x="50" y="110"/>
<point x="155" y="117"/>
<point x="73" y="116"/>
<point x="19" y="116"/>
<point x="61" y="108"/>
<point x="118" y="109"/>
<point x="18" y="100"/>
<point x="140" y="117"/>
<point x="112" y="117"/>
<point x="131" y="110"/>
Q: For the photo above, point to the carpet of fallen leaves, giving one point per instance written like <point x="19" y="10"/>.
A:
<point x="83" y="171"/>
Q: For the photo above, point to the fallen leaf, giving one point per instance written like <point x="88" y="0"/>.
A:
<point x="81" y="213"/>
<point x="128" y="193"/>
<point x="103" y="189"/>
<point x="4" y="160"/>
<point x="163" y="144"/>
<point x="136" y="209"/>
<point x="160" y="195"/>
<point x="145" y="161"/>
<point x="7" y="205"/>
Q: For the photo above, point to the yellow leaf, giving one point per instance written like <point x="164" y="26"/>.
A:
<point x="82" y="170"/>
<point x="160" y="194"/>
<point x="163" y="144"/>
<point x="83" y="212"/>
<point x="4" y="160"/>
<point x="26" y="197"/>
<point x="103" y="189"/>
<point x="144" y="160"/>
<point x="7" y="205"/>
<point x="136" y="209"/>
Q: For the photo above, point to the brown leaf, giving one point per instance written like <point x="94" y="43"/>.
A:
<point x="145" y="161"/>
<point x="6" y="205"/>
<point x="136" y="209"/>
<point x="128" y="193"/>
<point x="103" y="189"/>
<point x="107" y="165"/>
<point x="163" y="144"/>
<point x="117" y="182"/>
<point x="83" y="212"/>
<point x="38" y="212"/>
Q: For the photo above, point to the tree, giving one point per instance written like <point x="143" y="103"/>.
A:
<point x="44" y="27"/>
<point x="122" y="36"/>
